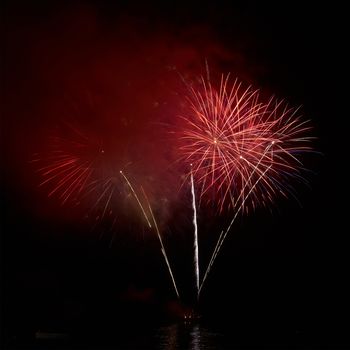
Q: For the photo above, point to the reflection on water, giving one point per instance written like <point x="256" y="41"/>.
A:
<point x="190" y="336"/>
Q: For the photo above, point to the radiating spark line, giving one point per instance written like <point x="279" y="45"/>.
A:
<point x="67" y="178"/>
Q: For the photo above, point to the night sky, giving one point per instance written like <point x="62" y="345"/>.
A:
<point x="111" y="69"/>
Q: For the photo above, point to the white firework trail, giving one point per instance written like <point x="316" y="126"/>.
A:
<point x="195" y="241"/>
<point x="162" y="247"/>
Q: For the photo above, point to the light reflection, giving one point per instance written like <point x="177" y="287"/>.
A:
<point x="187" y="335"/>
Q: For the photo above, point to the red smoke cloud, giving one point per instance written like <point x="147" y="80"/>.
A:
<point x="115" y="78"/>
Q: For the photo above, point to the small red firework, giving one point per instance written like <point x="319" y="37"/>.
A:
<point x="69" y="163"/>
<point x="75" y="168"/>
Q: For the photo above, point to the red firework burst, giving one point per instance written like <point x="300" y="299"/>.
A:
<point x="69" y="163"/>
<point x="243" y="152"/>
<point x="75" y="168"/>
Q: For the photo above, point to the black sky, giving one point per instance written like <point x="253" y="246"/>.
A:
<point x="285" y="271"/>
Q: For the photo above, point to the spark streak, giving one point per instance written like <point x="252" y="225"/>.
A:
<point x="162" y="247"/>
<point x="155" y="227"/>
<point x="137" y="199"/>
<point x="195" y="243"/>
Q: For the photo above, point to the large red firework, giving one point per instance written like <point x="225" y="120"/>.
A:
<point x="242" y="151"/>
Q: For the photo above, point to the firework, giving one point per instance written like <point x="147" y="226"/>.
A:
<point x="68" y="167"/>
<point x="243" y="152"/>
<point x="77" y="170"/>
<point x="231" y="138"/>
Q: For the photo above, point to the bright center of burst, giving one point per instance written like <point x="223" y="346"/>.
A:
<point x="215" y="141"/>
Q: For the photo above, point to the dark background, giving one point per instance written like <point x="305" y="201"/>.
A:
<point x="281" y="276"/>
